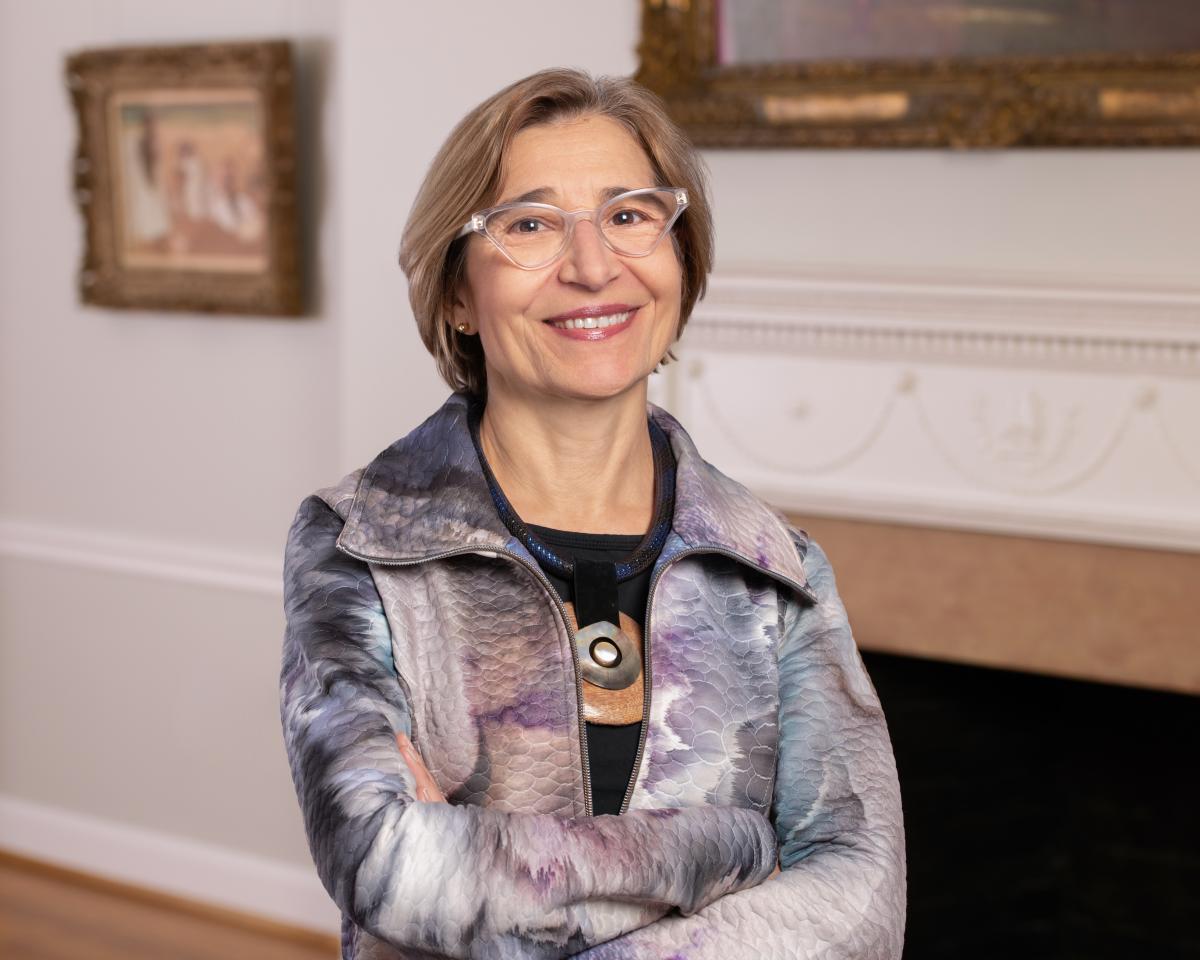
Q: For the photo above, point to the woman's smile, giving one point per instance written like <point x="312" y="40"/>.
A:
<point x="593" y="323"/>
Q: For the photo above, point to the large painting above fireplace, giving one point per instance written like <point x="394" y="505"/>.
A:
<point x="924" y="73"/>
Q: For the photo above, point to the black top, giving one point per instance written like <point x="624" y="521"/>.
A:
<point x="611" y="748"/>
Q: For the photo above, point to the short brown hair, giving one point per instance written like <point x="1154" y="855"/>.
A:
<point x="466" y="174"/>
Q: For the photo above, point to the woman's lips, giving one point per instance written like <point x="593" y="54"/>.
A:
<point x="591" y="326"/>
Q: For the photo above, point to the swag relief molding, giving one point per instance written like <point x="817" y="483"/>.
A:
<point x="1005" y="404"/>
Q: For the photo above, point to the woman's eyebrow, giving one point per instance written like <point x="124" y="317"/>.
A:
<point x="546" y="195"/>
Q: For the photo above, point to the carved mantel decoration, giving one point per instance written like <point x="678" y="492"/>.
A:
<point x="765" y="73"/>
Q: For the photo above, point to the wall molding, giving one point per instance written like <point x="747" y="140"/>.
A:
<point x="180" y="866"/>
<point x="142" y="557"/>
<point x="1029" y="321"/>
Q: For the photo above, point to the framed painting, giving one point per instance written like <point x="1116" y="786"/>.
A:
<point x="185" y="174"/>
<point x="926" y="73"/>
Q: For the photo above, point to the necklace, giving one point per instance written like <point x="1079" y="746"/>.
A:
<point x="607" y="656"/>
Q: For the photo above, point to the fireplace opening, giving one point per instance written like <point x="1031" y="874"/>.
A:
<point x="1044" y="817"/>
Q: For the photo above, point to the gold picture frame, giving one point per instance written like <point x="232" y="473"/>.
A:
<point x="1085" y="99"/>
<point x="185" y="175"/>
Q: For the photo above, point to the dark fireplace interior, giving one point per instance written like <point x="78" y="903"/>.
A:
<point x="1045" y="817"/>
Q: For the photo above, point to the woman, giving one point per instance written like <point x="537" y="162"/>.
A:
<point x="491" y="759"/>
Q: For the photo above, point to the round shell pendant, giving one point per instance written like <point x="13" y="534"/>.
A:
<point x="607" y="656"/>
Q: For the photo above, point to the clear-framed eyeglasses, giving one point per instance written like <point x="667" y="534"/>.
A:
<point x="534" y="235"/>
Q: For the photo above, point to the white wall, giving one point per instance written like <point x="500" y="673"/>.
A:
<point x="1089" y="215"/>
<point x="150" y="462"/>
<point x="149" y="466"/>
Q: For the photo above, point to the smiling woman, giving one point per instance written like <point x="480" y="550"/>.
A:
<point x="552" y="683"/>
<point x="491" y="160"/>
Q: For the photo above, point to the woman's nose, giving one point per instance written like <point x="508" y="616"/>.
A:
<point x="588" y="261"/>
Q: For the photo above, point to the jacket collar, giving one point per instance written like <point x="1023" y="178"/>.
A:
<point x="426" y="496"/>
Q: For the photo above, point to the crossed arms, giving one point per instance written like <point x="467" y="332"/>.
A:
<point x="469" y="881"/>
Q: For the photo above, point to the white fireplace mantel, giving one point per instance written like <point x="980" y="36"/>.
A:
<point x="1008" y="404"/>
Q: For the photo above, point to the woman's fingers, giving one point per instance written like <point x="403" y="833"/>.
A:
<point x="427" y="788"/>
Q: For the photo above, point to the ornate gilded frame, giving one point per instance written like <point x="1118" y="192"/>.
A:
<point x="1094" y="100"/>
<point x="94" y="78"/>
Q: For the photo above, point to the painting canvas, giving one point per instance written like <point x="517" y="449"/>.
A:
<point x="789" y="31"/>
<point x="190" y="180"/>
<point x="186" y="177"/>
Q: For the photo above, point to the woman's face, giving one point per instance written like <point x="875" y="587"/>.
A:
<point x="577" y="164"/>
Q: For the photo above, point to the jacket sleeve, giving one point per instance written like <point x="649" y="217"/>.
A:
<point x="836" y="811"/>
<point x="461" y="880"/>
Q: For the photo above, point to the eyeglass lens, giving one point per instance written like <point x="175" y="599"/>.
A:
<point x="533" y="235"/>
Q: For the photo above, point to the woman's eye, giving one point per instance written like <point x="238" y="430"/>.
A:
<point x="627" y="218"/>
<point x="527" y="225"/>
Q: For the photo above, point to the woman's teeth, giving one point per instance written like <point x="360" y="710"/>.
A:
<point x="587" y="323"/>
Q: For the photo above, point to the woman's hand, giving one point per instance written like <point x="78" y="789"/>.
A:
<point x="427" y="788"/>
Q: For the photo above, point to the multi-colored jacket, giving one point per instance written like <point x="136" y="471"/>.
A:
<point x="410" y="607"/>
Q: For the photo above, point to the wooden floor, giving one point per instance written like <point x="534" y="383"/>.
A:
<point x="47" y="913"/>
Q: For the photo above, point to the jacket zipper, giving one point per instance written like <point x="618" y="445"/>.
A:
<point x="637" y="757"/>
<point x="562" y="612"/>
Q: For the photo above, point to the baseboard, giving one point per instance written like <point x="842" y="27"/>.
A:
<point x="180" y="867"/>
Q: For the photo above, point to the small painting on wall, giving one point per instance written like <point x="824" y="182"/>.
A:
<point x="185" y="175"/>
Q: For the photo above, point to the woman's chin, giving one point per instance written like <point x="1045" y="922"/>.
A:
<point x="598" y="385"/>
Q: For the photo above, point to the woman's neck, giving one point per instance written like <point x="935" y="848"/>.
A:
<point x="585" y="465"/>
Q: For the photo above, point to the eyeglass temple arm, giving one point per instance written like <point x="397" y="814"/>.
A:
<point x="472" y="225"/>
